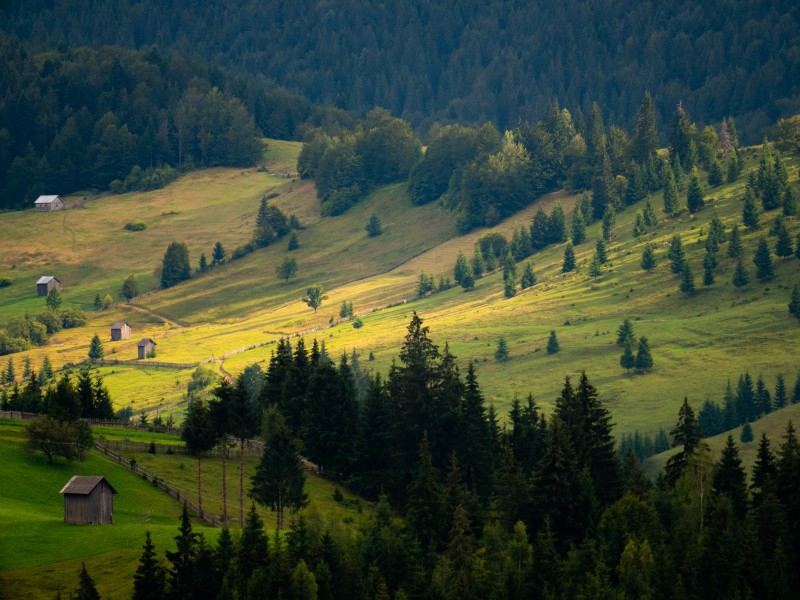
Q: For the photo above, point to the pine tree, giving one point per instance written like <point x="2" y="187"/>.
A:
<point x="644" y="360"/>
<point x="794" y="303"/>
<point x="687" y="434"/>
<point x="552" y="343"/>
<point x="644" y="141"/>
<point x="625" y="333"/>
<point x="729" y="479"/>
<point x="763" y="261"/>
<point x="595" y="269"/>
<point x="783" y="245"/>
<point x="687" y="280"/>
<point x="96" y="348"/>
<point x="789" y="202"/>
<point x="735" y="245"/>
<point x="568" y="263"/>
<point x="202" y="264"/>
<point x="694" y="193"/>
<point x="293" y="244"/>
<point x="424" y="507"/>
<point x="460" y="267"/>
<point x="765" y="470"/>
<point x="263" y="233"/>
<point x="740" y="276"/>
<point x="509" y="288"/>
<point x="175" y="266"/>
<point x="639" y="226"/>
<point x="627" y="361"/>
<point x="528" y="278"/>
<point x="676" y="254"/>
<point x="649" y="213"/>
<point x="671" y="203"/>
<point x="478" y="265"/>
<point x="781" y="398"/>
<point x="648" y="259"/>
<point x="600" y="250"/>
<point x="709" y="262"/>
<point x="148" y="582"/>
<point x="557" y="230"/>
<point x="501" y="354"/>
<point x="373" y="227"/>
<point x="750" y="212"/>
<point x="578" y="228"/>
<point x="97" y="304"/>
<point x="86" y="588"/>
<point x="181" y="574"/>
<point x="468" y="278"/>
<point x="715" y="175"/>
<point x="9" y="375"/>
<point x="609" y="220"/>
<point x="218" y="254"/>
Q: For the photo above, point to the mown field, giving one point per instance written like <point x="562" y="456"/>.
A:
<point x="40" y="556"/>
<point x="697" y="342"/>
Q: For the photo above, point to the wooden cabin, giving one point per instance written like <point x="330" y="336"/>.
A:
<point x="120" y="331"/>
<point x="146" y="346"/>
<point x="88" y="500"/>
<point x="46" y="284"/>
<point x="45" y="203"/>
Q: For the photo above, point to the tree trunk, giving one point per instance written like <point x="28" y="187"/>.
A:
<point x="224" y="483"/>
<point x="241" y="483"/>
<point x="199" y="489"/>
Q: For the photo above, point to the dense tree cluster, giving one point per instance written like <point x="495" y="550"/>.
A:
<point x="430" y="62"/>
<point x="21" y="333"/>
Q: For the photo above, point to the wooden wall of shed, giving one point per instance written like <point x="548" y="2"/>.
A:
<point x="90" y="509"/>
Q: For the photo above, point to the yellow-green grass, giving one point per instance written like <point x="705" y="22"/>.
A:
<point x="40" y="555"/>
<point x="155" y="390"/>
<point x="773" y="425"/>
<point x="281" y="155"/>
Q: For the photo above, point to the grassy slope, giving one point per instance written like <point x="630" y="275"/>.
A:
<point x="40" y="556"/>
<point x="697" y="342"/>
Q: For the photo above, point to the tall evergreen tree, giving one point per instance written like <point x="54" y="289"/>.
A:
<point x="218" y="254"/>
<point x="96" y="348"/>
<point x="181" y="573"/>
<point x="600" y="250"/>
<point x="175" y="266"/>
<point x="794" y="302"/>
<point x="783" y="245"/>
<point x="578" y="229"/>
<point x="694" y="193"/>
<point x="709" y="262"/>
<point x="687" y="280"/>
<point x="644" y="142"/>
<point x="86" y="588"/>
<point x="740" y="276"/>
<point x="200" y="435"/>
<point x="149" y="580"/>
<point x="676" y="254"/>
<point x="686" y="434"/>
<point x="671" y="202"/>
<point x="765" y="470"/>
<point x="763" y="261"/>
<point x="735" y="245"/>
<point x="627" y="361"/>
<point x="568" y="264"/>
<point x="649" y="261"/>
<point x="644" y="360"/>
<point x="552" y="343"/>
<point x="609" y="220"/>
<point x="595" y="269"/>
<point x="460" y="268"/>
<point x="528" y="278"/>
<point x="625" y="333"/>
<point x="649" y="213"/>
<point x="751" y="214"/>
<point x="729" y="479"/>
<point x="789" y="202"/>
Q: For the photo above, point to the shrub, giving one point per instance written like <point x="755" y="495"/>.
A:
<point x="357" y="323"/>
<point x="5" y="282"/>
<point x="137" y="225"/>
<point x="72" y="317"/>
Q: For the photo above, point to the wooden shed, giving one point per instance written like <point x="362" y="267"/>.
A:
<point x="88" y="500"/>
<point x="46" y="283"/>
<point x="146" y="346"/>
<point x="120" y="331"/>
<point x="45" y="203"/>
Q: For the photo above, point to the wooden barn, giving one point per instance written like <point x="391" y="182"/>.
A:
<point x="45" y="203"/>
<point x="120" y="331"/>
<point x="146" y="346"/>
<point x="88" y="501"/>
<point x="46" y="283"/>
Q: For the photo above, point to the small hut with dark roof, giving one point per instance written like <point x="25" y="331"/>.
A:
<point x="47" y="283"/>
<point x="146" y="346"/>
<point x="88" y="501"/>
<point x="120" y="331"/>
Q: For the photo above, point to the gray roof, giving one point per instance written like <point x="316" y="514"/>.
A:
<point x="47" y="199"/>
<point x="84" y="484"/>
<point x="46" y="279"/>
<point x="119" y="325"/>
<point x="146" y="341"/>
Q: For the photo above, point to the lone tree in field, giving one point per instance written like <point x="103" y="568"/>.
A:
<point x="750" y="212"/>
<point x="671" y="206"/>
<point x="600" y="250"/>
<point x="314" y="296"/>
<point x="501" y="354"/>
<point x="175" y="266"/>
<point x="287" y="269"/>
<point x="279" y="479"/>
<point x="86" y="588"/>
<point x="130" y="289"/>
<point x="96" y="351"/>
<point x="293" y="244"/>
<point x="595" y="268"/>
<point x="735" y="244"/>
<point x="552" y="343"/>
<point x="676" y="254"/>
<point x="374" y="228"/>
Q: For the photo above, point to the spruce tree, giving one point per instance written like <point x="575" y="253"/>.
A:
<point x="729" y="479"/>
<point x="509" y="288"/>
<point x="263" y="232"/>
<point x="676" y="254"/>
<point x="671" y="202"/>
<point x="175" y="266"/>
<point x="501" y="354"/>
<point x="609" y="220"/>
<point x="625" y="333"/>
<point x="709" y="263"/>
<point x="789" y="202"/>
<point x="627" y="361"/>
<point x="687" y="280"/>
<point x="750" y="212"/>
<point x="740" y="276"/>
<point x="202" y="264"/>
<point x="595" y="269"/>
<point x="734" y="167"/>
<point x="97" y="304"/>
<point x="218" y="254"/>
<point x="578" y="229"/>
<point x="478" y="266"/>
<point x="644" y="359"/>
<point x="9" y="375"/>
<point x="735" y="245"/>
<point x="649" y="213"/>
<point x="765" y="470"/>
<point x="568" y="263"/>
<point x="424" y="507"/>
<point x="648" y="258"/>
<point x="148" y="582"/>
<point x="552" y="343"/>
<point x="600" y="250"/>
<point x="783" y="245"/>
<point x="86" y="588"/>
<point x="460" y="267"/>
<point x="763" y="261"/>
<point x="644" y="141"/>
<point x="528" y="278"/>
<point x="182" y="572"/>
<point x="639" y="226"/>
<point x="557" y="230"/>
<point x="715" y="175"/>
<point x="293" y="244"/>
<point x="794" y="303"/>
<point x="687" y="434"/>
<point x="781" y="398"/>
<point x="694" y="193"/>
<point x="96" y="348"/>
<point x="373" y="227"/>
<point x="468" y="279"/>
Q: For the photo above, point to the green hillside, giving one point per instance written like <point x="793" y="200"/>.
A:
<point x="697" y="342"/>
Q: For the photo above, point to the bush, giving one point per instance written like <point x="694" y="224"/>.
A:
<point x="50" y="319"/>
<point x="242" y="251"/>
<point x="5" y="282"/>
<point x="137" y="225"/>
<point x="357" y="323"/>
<point x="72" y="317"/>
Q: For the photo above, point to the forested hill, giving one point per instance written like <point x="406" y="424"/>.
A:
<point x="467" y="60"/>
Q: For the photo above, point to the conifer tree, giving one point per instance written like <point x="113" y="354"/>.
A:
<point x="625" y="333"/>
<point x="595" y="269"/>
<point x="687" y="434"/>
<point x="600" y="250"/>
<point x="671" y="203"/>
<point x="765" y="470"/>
<point x="200" y="435"/>
<point x="729" y="479"/>
<point x="676" y="254"/>
<point x="781" y="398"/>
<point x="789" y="202"/>
<point x="783" y="245"/>
<point x="639" y="226"/>
<point x="490" y="259"/>
<point x="175" y="266"/>
<point x="148" y="582"/>
<point x="709" y="262"/>
<point x="528" y="278"/>
<point x="694" y="193"/>
<point x="750" y="212"/>
<point x="687" y="280"/>
<point x="735" y="245"/>
<point x="202" y="264"/>
<point x="557" y="230"/>
<point x="552" y="343"/>
<point x="130" y="288"/>
<point x="740" y="276"/>
<point x="263" y="233"/>
<point x="644" y="359"/>
<point x="568" y="264"/>
<point x="373" y="227"/>
<point x="96" y="348"/>
<point x="609" y="220"/>
<point x="644" y="141"/>
<point x="627" y="361"/>
<point x="293" y="244"/>
<point x="509" y="288"/>
<point x="794" y="303"/>
<point x="649" y="213"/>
<point x="424" y="507"/>
<point x="648" y="259"/>
<point x="715" y="175"/>
<point x="763" y="261"/>
<point x="218" y="254"/>
<point x="578" y="229"/>
<point x="501" y="354"/>
<point x="460" y="267"/>
<point x="468" y="278"/>
<point x="86" y="588"/>
<point x="478" y="265"/>
<point x="97" y="304"/>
